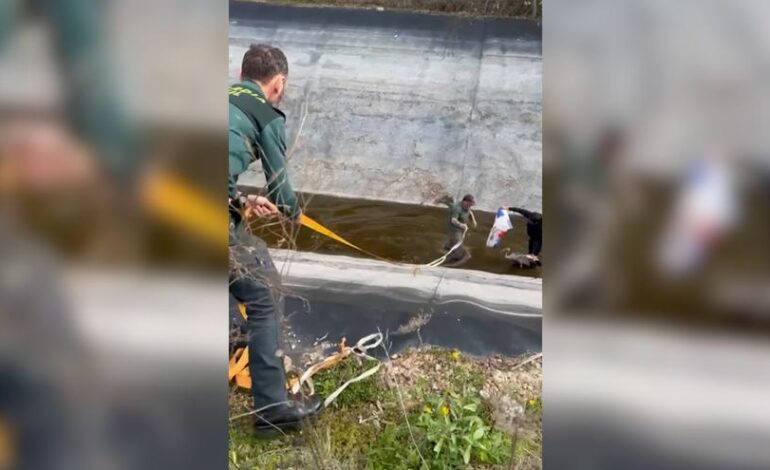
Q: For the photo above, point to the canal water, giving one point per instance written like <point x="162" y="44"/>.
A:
<point x="409" y="234"/>
<point x="397" y="232"/>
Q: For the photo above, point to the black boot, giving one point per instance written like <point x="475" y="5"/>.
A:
<point x="287" y="417"/>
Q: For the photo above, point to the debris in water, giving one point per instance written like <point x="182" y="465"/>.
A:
<point x="414" y="323"/>
<point x="318" y="340"/>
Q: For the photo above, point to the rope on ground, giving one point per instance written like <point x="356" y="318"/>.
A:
<point x="239" y="371"/>
<point x="362" y="346"/>
<point x="529" y="360"/>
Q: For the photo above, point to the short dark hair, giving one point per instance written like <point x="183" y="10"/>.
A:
<point x="469" y="198"/>
<point x="263" y="62"/>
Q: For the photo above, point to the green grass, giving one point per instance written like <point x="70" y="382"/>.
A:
<point x="365" y="391"/>
<point x="366" y="428"/>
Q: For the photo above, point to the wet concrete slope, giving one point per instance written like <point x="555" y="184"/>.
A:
<point x="475" y="312"/>
<point x="313" y="314"/>
<point x="404" y="106"/>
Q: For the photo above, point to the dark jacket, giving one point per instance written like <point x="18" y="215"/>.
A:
<point x="534" y="228"/>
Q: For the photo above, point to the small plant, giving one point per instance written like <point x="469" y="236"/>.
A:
<point x="457" y="433"/>
<point x="393" y="450"/>
<point x="535" y="405"/>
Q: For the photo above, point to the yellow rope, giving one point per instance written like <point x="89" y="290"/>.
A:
<point x="313" y="225"/>
<point x="178" y="202"/>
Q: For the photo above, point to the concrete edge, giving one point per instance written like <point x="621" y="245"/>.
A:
<point x="506" y="294"/>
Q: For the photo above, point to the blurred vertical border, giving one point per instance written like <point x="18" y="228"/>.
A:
<point x="656" y="181"/>
<point x="113" y="230"/>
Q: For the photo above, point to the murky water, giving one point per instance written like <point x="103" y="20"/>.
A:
<point x="399" y="232"/>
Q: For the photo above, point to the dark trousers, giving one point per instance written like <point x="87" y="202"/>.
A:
<point x="535" y="244"/>
<point x="255" y="282"/>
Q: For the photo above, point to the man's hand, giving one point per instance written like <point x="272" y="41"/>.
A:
<point x="42" y="156"/>
<point x="260" y="206"/>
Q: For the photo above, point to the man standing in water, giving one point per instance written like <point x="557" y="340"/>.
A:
<point x="460" y="214"/>
<point x="257" y="132"/>
<point x="534" y="231"/>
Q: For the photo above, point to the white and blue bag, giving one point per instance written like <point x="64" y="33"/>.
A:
<point x="499" y="228"/>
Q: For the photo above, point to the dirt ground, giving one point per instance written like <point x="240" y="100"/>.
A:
<point x="510" y="385"/>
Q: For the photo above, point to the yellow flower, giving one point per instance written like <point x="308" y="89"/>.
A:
<point x="455" y="355"/>
<point x="428" y="409"/>
<point x="444" y="410"/>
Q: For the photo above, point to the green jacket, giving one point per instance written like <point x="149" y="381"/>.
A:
<point x="257" y="131"/>
<point x="456" y="211"/>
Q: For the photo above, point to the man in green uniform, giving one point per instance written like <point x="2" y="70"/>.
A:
<point x="460" y="215"/>
<point x="257" y="132"/>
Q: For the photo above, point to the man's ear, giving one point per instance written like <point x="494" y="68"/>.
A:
<point x="274" y="86"/>
<point x="277" y="86"/>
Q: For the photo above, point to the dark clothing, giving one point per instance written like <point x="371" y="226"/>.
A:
<point x="534" y="246"/>
<point x="534" y="229"/>
<point x="255" y="282"/>
<point x="257" y="131"/>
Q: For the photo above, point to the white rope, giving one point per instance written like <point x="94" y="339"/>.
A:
<point x="336" y="393"/>
<point x="360" y="349"/>
<point x="439" y="261"/>
<point x="362" y="346"/>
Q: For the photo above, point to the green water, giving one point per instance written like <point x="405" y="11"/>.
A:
<point x="398" y="232"/>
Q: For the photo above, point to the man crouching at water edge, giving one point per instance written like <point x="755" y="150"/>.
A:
<point x="257" y="132"/>
<point x="460" y="214"/>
